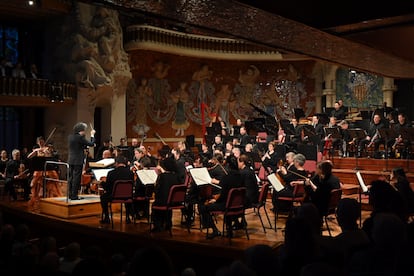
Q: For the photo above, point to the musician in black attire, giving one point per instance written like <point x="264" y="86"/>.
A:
<point x="15" y="173"/>
<point x="166" y="179"/>
<point x="232" y="180"/>
<point x="338" y="112"/>
<point x="373" y="136"/>
<point x="77" y="144"/>
<point x="318" y="188"/>
<point x="140" y="162"/>
<point x="289" y="173"/>
<point x="121" y="172"/>
<point x="270" y="159"/>
<point x="244" y="137"/>
<point x="205" y="154"/>
<point x="399" y="140"/>
<point x="199" y="194"/>
<point x="250" y="180"/>
<point x="346" y="138"/>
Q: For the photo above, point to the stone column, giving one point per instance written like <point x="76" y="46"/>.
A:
<point x="329" y="77"/>
<point x="388" y="90"/>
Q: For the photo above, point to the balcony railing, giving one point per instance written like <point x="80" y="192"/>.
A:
<point x="44" y="91"/>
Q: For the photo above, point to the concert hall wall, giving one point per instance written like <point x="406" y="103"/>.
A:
<point x="170" y="90"/>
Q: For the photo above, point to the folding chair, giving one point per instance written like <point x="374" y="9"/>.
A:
<point x="176" y="200"/>
<point x="122" y="193"/>
<point x="235" y="208"/>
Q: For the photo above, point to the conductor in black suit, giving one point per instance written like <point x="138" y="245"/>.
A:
<point x="77" y="144"/>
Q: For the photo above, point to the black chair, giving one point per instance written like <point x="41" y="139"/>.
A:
<point x="176" y="200"/>
<point x="235" y="208"/>
<point x="336" y="195"/>
<point x="261" y="204"/>
<point x="122" y="193"/>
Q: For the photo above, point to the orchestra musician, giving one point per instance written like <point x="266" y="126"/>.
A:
<point x="167" y="178"/>
<point x="243" y="137"/>
<point x="232" y="179"/>
<point x="140" y="162"/>
<point x="16" y="173"/>
<point x="40" y="153"/>
<point x="289" y="173"/>
<point x="338" y="112"/>
<point x="205" y="154"/>
<point x="200" y="194"/>
<point x="346" y="138"/>
<point x="318" y="188"/>
<point x="373" y="136"/>
<point x="398" y="127"/>
<point x="121" y="172"/>
<point x="270" y="159"/>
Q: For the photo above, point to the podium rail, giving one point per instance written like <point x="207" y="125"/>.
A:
<point x="45" y="179"/>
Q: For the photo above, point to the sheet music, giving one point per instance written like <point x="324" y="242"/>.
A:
<point x="201" y="176"/>
<point x="99" y="173"/>
<point x="361" y="182"/>
<point x="147" y="176"/>
<point x="275" y="182"/>
<point x="102" y="163"/>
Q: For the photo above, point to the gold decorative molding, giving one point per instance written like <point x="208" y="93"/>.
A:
<point x="146" y="37"/>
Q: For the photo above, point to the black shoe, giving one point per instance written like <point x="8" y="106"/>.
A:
<point x="105" y="221"/>
<point x="76" y="198"/>
<point x="215" y="233"/>
<point x="128" y="221"/>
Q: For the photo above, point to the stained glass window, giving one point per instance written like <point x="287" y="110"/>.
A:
<point x="9" y="39"/>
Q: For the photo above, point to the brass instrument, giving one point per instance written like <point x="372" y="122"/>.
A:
<point x="375" y="137"/>
<point x="397" y="140"/>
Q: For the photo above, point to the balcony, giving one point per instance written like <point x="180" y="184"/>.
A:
<point x="35" y="92"/>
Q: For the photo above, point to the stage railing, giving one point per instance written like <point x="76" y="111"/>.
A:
<point x="45" y="179"/>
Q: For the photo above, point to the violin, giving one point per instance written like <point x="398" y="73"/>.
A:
<point x="23" y="172"/>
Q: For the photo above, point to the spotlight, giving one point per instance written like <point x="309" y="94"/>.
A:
<point x="31" y="3"/>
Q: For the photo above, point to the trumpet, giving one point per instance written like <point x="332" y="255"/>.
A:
<point x="397" y="140"/>
<point x="375" y="137"/>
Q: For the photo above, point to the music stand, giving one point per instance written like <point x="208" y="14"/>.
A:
<point x="387" y="134"/>
<point x="333" y="133"/>
<point x="357" y="134"/>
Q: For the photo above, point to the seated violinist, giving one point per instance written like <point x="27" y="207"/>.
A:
<point x="16" y="174"/>
<point x="292" y="171"/>
<point x="39" y="155"/>
<point x="140" y="162"/>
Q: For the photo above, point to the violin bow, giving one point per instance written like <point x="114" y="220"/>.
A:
<point x="50" y="135"/>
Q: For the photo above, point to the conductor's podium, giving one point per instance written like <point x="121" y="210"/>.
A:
<point x="60" y="207"/>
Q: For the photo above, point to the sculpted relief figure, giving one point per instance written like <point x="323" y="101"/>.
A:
<point x="97" y="49"/>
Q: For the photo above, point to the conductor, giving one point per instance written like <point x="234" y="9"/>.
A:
<point x="77" y="144"/>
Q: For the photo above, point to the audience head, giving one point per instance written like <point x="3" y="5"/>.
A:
<point x="348" y="212"/>
<point x="262" y="259"/>
<point x="139" y="264"/>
